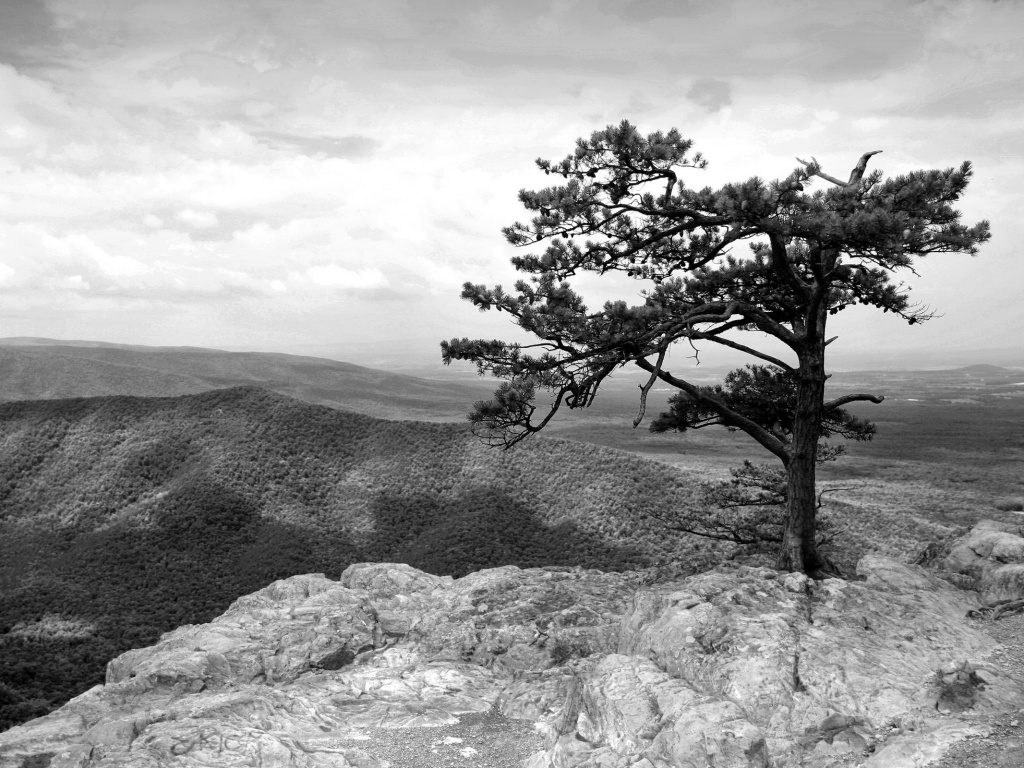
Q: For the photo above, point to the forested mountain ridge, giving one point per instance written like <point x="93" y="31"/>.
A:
<point x="45" y="368"/>
<point x="124" y="517"/>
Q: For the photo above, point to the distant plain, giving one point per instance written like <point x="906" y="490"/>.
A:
<point x="949" y="447"/>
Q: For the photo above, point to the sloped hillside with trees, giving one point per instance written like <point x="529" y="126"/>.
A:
<point x="122" y="518"/>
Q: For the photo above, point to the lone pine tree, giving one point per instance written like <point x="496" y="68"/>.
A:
<point x="623" y="207"/>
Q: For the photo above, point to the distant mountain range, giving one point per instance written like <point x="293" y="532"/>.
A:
<point x="36" y="368"/>
<point x="979" y="369"/>
<point x="124" y="517"/>
<point x="985" y="369"/>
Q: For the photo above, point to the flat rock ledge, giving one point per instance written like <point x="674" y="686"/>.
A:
<point x="548" y="668"/>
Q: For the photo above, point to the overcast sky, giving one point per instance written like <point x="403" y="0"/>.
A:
<point x="322" y="175"/>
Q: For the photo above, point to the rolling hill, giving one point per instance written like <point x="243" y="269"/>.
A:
<point x="124" y="517"/>
<point x="36" y="368"/>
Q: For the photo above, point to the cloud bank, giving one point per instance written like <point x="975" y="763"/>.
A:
<point x="257" y="172"/>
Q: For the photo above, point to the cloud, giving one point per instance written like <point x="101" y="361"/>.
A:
<point x="869" y="123"/>
<point x="198" y="219"/>
<point x="113" y="265"/>
<point x="333" y="276"/>
<point x="973" y="101"/>
<point x="710" y="94"/>
<point x="327" y="146"/>
<point x="213" y="153"/>
<point x="26" y="32"/>
<point x="641" y="11"/>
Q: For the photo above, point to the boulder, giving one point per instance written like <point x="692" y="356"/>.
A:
<point x="736" y="667"/>
<point x="1003" y="584"/>
<point x="992" y="553"/>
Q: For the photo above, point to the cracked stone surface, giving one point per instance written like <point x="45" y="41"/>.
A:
<point x="993" y="554"/>
<point x="390" y="666"/>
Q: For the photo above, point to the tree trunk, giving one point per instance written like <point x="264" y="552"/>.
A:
<point x="799" y="548"/>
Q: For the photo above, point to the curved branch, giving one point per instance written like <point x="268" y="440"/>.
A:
<point x="751" y="315"/>
<point x="830" y="490"/>
<point x="833" y="404"/>
<point x="858" y="170"/>
<point x="742" y="348"/>
<point x="730" y="417"/>
<point x="507" y="438"/>
<point x="728" y="326"/>
<point x="855" y="176"/>
<point x="818" y="294"/>
<point x="670" y="175"/>
<point x="781" y="265"/>
<point x="645" y="388"/>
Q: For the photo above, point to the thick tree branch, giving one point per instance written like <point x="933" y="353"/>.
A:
<point x="858" y="170"/>
<point x="813" y="323"/>
<point x="763" y="322"/>
<point x="700" y="336"/>
<point x="833" y="404"/>
<point x="752" y="315"/>
<point x="706" y="314"/>
<point x="670" y="181"/>
<point x="730" y="417"/>
<point x="726" y="327"/>
<point x="781" y="266"/>
<point x="682" y="327"/>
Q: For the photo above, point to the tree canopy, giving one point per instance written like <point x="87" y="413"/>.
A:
<point x="776" y="257"/>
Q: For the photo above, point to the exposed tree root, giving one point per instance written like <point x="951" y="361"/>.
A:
<point x="998" y="610"/>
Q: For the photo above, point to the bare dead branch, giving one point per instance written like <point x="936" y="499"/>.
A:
<point x="645" y="388"/>
<point x="1011" y="606"/>
<point x="830" y="490"/>
<point x="855" y="176"/>
<point x="820" y="173"/>
<point x="997" y="610"/>
<point x="696" y="352"/>
<point x="830" y="536"/>
<point x="858" y="171"/>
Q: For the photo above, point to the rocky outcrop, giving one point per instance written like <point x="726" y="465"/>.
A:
<point x="738" y="666"/>
<point x="992" y="553"/>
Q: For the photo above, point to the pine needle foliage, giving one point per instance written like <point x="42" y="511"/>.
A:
<point x="719" y="266"/>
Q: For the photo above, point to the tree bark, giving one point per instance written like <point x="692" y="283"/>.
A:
<point x="799" y="549"/>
